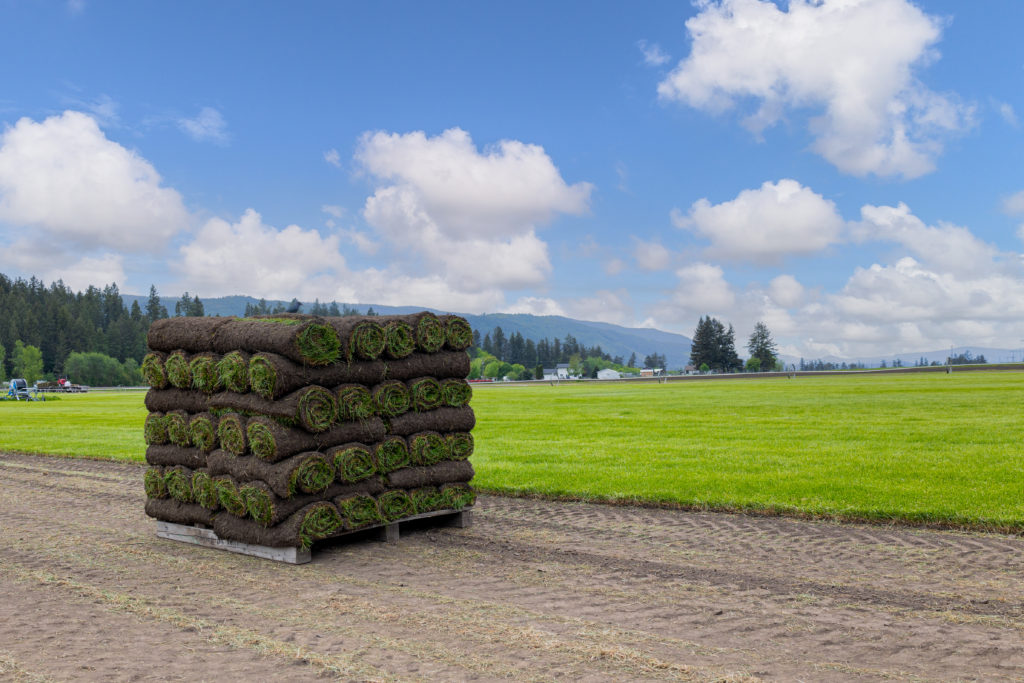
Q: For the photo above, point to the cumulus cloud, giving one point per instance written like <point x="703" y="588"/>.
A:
<point x="332" y="157"/>
<point x="651" y="256"/>
<point x="605" y="305"/>
<point x="472" y="216"/>
<point x="786" y="291"/>
<point x="535" y="305"/>
<point x="702" y="289"/>
<point x="614" y="266"/>
<point x="1014" y="204"/>
<point x="64" y="177"/>
<point x="764" y="225"/>
<point x="653" y="54"/>
<point x="207" y="126"/>
<point x="852" y="61"/>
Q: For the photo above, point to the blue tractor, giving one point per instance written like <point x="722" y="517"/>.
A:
<point x="19" y="390"/>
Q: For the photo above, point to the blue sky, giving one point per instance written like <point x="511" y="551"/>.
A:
<point x="848" y="171"/>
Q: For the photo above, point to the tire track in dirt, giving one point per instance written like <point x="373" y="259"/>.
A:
<point x="535" y="590"/>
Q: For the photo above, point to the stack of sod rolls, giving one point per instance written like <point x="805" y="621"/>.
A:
<point x="286" y="429"/>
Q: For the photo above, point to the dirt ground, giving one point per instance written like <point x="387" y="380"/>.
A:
<point x="532" y="591"/>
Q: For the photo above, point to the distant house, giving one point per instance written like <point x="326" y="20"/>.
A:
<point x="550" y="373"/>
<point x="691" y="370"/>
<point x="652" y="372"/>
<point x="608" y="373"/>
<point x="560" y="371"/>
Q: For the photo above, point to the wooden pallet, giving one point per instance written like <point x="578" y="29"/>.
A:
<point x="388" y="533"/>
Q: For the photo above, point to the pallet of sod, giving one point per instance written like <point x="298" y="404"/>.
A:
<point x="270" y="433"/>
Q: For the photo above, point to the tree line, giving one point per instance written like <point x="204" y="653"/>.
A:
<point x="714" y="348"/>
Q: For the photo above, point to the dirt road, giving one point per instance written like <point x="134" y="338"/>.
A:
<point x="533" y="591"/>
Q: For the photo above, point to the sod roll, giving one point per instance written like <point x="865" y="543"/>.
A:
<point x="362" y="337"/>
<point x="272" y="375"/>
<point x="205" y="377"/>
<point x="458" y="335"/>
<point x="179" y="373"/>
<point x="176" y="422"/>
<point x="426" y="499"/>
<point x="230" y="497"/>
<point x="154" y="431"/>
<point x="352" y="462"/>
<point x="164" y="400"/>
<point x="233" y="371"/>
<point x="427" y="448"/>
<point x="447" y="472"/>
<point x="170" y="510"/>
<point x="355" y="402"/>
<point x="391" y="453"/>
<point x="153" y="372"/>
<point x="231" y="433"/>
<point x="457" y="496"/>
<point x="358" y="510"/>
<point x="395" y="505"/>
<point x="460" y="445"/>
<point x="440" y="420"/>
<point x="399" y="340"/>
<point x="313" y="407"/>
<point x="309" y="472"/>
<point x="179" y="483"/>
<point x="194" y="335"/>
<point x="204" y="491"/>
<point x="168" y="455"/>
<point x="311" y="523"/>
<point x="154" y="483"/>
<point x="272" y="441"/>
<point x="455" y="392"/>
<point x="424" y="394"/>
<point x="391" y="398"/>
<point x="269" y="509"/>
<point x="446" y="364"/>
<point x="202" y="428"/>
<point x="308" y="340"/>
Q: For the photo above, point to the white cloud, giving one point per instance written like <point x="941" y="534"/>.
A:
<point x="89" y="270"/>
<point x="651" y="256"/>
<point x="614" y="266"/>
<point x="653" y="54"/>
<point x="207" y="126"/>
<point x="851" y="60"/>
<point x="64" y="177"/>
<point x="333" y="210"/>
<point x="764" y="225"/>
<point x="701" y="289"/>
<point x="604" y="306"/>
<point x="362" y="241"/>
<point x="1014" y="204"/>
<point x="786" y="291"/>
<point x="332" y="157"/>
<point x="1007" y="112"/>
<point x="535" y="306"/>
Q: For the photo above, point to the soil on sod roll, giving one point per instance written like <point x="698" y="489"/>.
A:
<point x="305" y="339"/>
<point x="362" y="337"/>
<point x="205" y="376"/>
<point x="440" y="420"/>
<point x="391" y="454"/>
<point x="164" y="400"/>
<point x="309" y="472"/>
<point x="427" y="329"/>
<point x="192" y="458"/>
<point x="202" y="429"/>
<point x="311" y="523"/>
<point x="458" y="335"/>
<point x="194" y="335"/>
<point x="352" y="462"/>
<point x="442" y="365"/>
<point x="272" y="375"/>
<point x="358" y="510"/>
<point x="153" y="371"/>
<point x="273" y="442"/>
<point x="427" y="448"/>
<point x="424" y="394"/>
<point x="269" y="509"/>
<point x="230" y="497"/>
<point x="456" y="392"/>
<point x="447" y="472"/>
<point x="460" y="445"/>
<point x="355" y="402"/>
<point x="179" y="373"/>
<point x="395" y="505"/>
<point x="391" y="398"/>
<point x="314" y="407"/>
<point x="399" y="339"/>
<point x="170" y="510"/>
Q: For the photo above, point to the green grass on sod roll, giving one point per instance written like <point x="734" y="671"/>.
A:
<point x="231" y="433"/>
<point x="456" y="392"/>
<point x="354" y="463"/>
<point x="205" y="376"/>
<point x="154" y="483"/>
<point x="155" y="429"/>
<point x="312" y="476"/>
<point x="261" y="440"/>
<point x="458" y="333"/>
<point x="355" y="402"/>
<point x="391" y="454"/>
<point x="366" y="341"/>
<point x="426" y="499"/>
<point x="233" y="369"/>
<point x="202" y="433"/>
<point x="358" y="510"/>
<point x="460" y="445"/>
<point x="153" y="371"/>
<point x="230" y="498"/>
<point x="430" y="333"/>
<point x="318" y="344"/>
<point x="177" y="428"/>
<point x="179" y="484"/>
<point x="258" y="502"/>
<point x="392" y="398"/>
<point x="262" y="376"/>
<point x="457" y="496"/>
<point x="424" y="394"/>
<point x="179" y="374"/>
<point x="319" y="521"/>
<point x="318" y="409"/>
<point x="204" y="491"/>
<point x="399" y="341"/>
<point x="395" y="505"/>
<point x="427" y="448"/>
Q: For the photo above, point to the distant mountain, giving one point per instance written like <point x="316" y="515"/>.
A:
<point x="613" y="339"/>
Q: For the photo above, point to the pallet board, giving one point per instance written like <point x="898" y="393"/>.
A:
<point x="386" y="532"/>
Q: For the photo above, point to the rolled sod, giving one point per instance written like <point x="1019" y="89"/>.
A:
<point x="441" y="365"/>
<point x="164" y="400"/>
<point x="179" y="483"/>
<point x="460" y="445"/>
<point x="395" y="505"/>
<point x="424" y="394"/>
<point x="193" y="458"/>
<point x="425" y="499"/>
<point x="204" y="491"/>
<point x="272" y="441"/>
<point x="154" y="483"/>
<point x="362" y="337"/>
<point x="440" y="420"/>
<point x="179" y="373"/>
<point x="391" y="398"/>
<point x="155" y="430"/>
<point x="399" y="340"/>
<point x="305" y="339"/>
<point x="309" y="472"/>
<point x="311" y="523"/>
<point x="352" y="462"/>
<point x="194" y="335"/>
<point x="447" y="472"/>
<point x="358" y="510"/>
<point x="272" y="375"/>
<point x="153" y="372"/>
<point x="205" y="376"/>
<point x="314" y="407"/>
<point x="202" y="429"/>
<point x="355" y="402"/>
<point x="269" y="509"/>
<point x="233" y="371"/>
<point x="456" y="392"/>
<point x="231" y="433"/>
<point x="429" y="332"/>
<point x="176" y="422"/>
<point x="458" y="335"/>
<point x="230" y="497"/>
<point x="391" y="454"/>
<point x="176" y="512"/>
<point x="457" y="496"/>
<point x="427" y="448"/>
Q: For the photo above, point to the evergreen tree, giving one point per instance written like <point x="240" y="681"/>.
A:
<point x="632" y="360"/>
<point x="762" y="347"/>
<point x="715" y="346"/>
<point x="333" y="310"/>
<point x="3" y="369"/>
<point x="154" y="311"/>
<point x="498" y="340"/>
<point x="195" y="307"/>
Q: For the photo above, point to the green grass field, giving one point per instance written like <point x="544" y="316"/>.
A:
<point x="930" y="448"/>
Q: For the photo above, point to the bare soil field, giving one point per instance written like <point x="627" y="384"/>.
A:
<point x="534" y="590"/>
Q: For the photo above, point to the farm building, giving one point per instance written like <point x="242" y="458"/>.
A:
<point x="608" y="373"/>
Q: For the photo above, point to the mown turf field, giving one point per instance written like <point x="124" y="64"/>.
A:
<point x="931" y="448"/>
